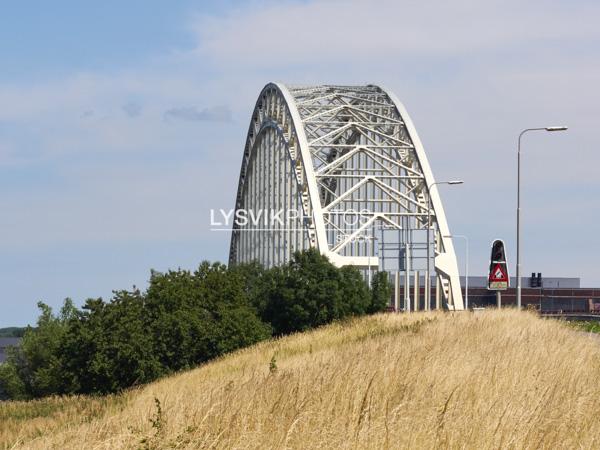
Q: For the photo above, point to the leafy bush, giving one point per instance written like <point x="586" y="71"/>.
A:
<point x="183" y="319"/>
<point x="310" y="291"/>
<point x="11" y="385"/>
<point x="381" y="292"/>
<point x="194" y="317"/>
<point x="107" y="347"/>
<point x="36" y="361"/>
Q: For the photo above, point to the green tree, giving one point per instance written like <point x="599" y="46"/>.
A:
<point x="303" y="294"/>
<point x="36" y="362"/>
<point x="194" y="317"/>
<point x="381" y="292"/>
<point x="356" y="298"/>
<point x="11" y="385"/>
<point x="12" y="332"/>
<point x="184" y="318"/>
<point x="107" y="347"/>
<point x="255" y="281"/>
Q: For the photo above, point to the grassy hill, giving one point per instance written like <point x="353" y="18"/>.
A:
<point x="464" y="380"/>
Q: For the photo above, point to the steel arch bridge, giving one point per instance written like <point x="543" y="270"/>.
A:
<point x="342" y="169"/>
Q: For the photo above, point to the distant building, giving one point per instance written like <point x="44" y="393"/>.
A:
<point x="536" y="291"/>
<point x="526" y="282"/>
<point x="6" y="342"/>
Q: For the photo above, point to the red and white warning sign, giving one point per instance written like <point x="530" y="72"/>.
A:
<point x="498" y="275"/>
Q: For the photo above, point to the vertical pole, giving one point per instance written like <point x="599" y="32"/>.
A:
<point x="428" y="271"/>
<point x="519" y="205"/>
<point x="407" y="279"/>
<point x="438" y="292"/>
<point x="427" y="286"/>
<point x="369" y="268"/>
<point x="397" y="293"/>
<point x="261" y="201"/>
<point x="406" y="297"/>
<point x="407" y="287"/>
<point x="467" y="276"/>
<point x="417" y="288"/>
<point x="381" y="252"/>
<point x="438" y="284"/>
<point x="519" y="222"/>
<point x="499" y="299"/>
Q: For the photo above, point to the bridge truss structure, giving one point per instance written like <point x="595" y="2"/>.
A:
<point x="342" y="169"/>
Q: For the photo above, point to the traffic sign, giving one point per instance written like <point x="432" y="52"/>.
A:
<point x="498" y="279"/>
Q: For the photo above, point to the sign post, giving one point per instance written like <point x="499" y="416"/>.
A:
<point x="498" y="279"/>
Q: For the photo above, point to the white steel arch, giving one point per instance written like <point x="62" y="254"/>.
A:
<point x="341" y="169"/>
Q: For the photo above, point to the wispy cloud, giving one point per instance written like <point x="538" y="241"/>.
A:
<point x="191" y="113"/>
<point x="264" y="36"/>
<point x="132" y="109"/>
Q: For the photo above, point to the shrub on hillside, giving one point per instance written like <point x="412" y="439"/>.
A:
<point x="36" y="361"/>
<point x="11" y="385"/>
<point x="183" y="319"/>
<point x="107" y="347"/>
<point x="381" y="291"/>
<point x="194" y="317"/>
<point x="310" y="291"/>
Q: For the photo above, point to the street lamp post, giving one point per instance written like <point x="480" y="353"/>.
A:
<point x="372" y="239"/>
<point x="519" y="204"/>
<point x="427" y="275"/>
<point x="466" y="266"/>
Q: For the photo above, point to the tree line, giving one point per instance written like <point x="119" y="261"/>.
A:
<point x="181" y="320"/>
<point x="12" y="332"/>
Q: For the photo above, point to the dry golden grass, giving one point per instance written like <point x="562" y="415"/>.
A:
<point x="427" y="380"/>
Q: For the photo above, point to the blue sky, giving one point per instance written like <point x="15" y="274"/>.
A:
<point x="40" y="40"/>
<point x="122" y="124"/>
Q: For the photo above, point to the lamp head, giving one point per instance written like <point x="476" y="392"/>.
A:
<point x="556" y="128"/>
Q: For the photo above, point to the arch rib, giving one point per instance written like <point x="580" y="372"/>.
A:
<point x="445" y="262"/>
<point x="349" y="159"/>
